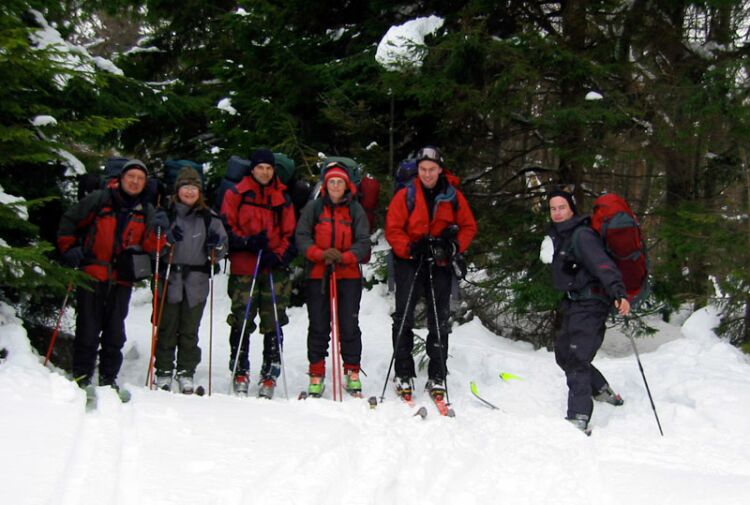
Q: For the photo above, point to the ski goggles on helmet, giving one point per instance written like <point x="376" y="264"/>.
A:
<point x="431" y="154"/>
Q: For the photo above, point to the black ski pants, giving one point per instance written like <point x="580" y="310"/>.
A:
<point x="349" y="294"/>
<point x="408" y="273"/>
<point x="101" y="312"/>
<point x="579" y="339"/>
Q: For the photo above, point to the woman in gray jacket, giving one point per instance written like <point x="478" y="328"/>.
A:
<point x="197" y="235"/>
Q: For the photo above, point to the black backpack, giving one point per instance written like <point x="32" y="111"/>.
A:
<point x="93" y="181"/>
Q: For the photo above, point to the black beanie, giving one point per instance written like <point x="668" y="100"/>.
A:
<point x="564" y="194"/>
<point x="262" y="156"/>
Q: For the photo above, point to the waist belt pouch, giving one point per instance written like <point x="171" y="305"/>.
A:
<point x="134" y="265"/>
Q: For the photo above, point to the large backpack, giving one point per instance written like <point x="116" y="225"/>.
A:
<point x="93" y="181"/>
<point x="172" y="170"/>
<point x="368" y="188"/>
<point x="617" y="225"/>
<point x="237" y="168"/>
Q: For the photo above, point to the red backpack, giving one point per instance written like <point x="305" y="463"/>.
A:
<point x="616" y="223"/>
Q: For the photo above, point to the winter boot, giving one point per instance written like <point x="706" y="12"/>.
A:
<point x="185" y="382"/>
<point x="436" y="388"/>
<point x="581" y="421"/>
<point x="164" y="381"/>
<point x="606" y="394"/>
<point x="316" y="387"/>
<point x="353" y="384"/>
<point x="404" y="388"/>
<point x="267" y="387"/>
<point x="241" y="383"/>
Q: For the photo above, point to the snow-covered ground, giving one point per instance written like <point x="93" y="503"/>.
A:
<point x="164" y="448"/>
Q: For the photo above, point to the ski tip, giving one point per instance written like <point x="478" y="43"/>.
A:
<point x="506" y="376"/>
<point x="450" y="413"/>
<point x="200" y="391"/>
<point x="302" y="395"/>
<point x="124" y="395"/>
<point x="473" y="387"/>
<point x="422" y="412"/>
<point x="373" y="402"/>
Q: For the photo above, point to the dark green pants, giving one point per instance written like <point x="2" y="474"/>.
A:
<point x="179" y="330"/>
<point x="239" y="289"/>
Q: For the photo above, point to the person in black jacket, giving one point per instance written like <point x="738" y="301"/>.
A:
<point x="592" y="284"/>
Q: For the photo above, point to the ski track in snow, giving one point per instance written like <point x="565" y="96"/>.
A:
<point x="164" y="448"/>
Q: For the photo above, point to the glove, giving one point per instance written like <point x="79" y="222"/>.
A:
<point x="332" y="256"/>
<point x="174" y="234"/>
<point x="255" y="243"/>
<point x="73" y="256"/>
<point x="419" y="247"/>
<point x="212" y="239"/>
<point x="450" y="233"/>
<point x="161" y="220"/>
<point x="269" y="260"/>
<point x="459" y="266"/>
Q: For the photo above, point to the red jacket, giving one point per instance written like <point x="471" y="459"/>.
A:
<point x="343" y="226"/>
<point x="249" y="209"/>
<point x="451" y="207"/>
<point x="93" y="224"/>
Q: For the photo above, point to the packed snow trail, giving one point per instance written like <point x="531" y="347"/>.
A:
<point x="166" y="448"/>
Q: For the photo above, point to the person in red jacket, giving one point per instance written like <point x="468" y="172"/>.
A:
<point x="105" y="235"/>
<point x="333" y="234"/>
<point x="428" y="224"/>
<point x="259" y="219"/>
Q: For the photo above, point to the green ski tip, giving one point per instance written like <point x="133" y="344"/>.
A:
<point x="473" y="386"/>
<point x="506" y="376"/>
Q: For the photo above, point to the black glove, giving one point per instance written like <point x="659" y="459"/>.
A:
<point x="255" y="243"/>
<point x="212" y="239"/>
<point x="161" y="220"/>
<point x="269" y="260"/>
<point x="174" y="234"/>
<point x="73" y="256"/>
<point x="459" y="266"/>
<point x="450" y="233"/>
<point x="420" y="247"/>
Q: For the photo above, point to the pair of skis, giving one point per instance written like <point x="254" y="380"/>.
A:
<point x="92" y="398"/>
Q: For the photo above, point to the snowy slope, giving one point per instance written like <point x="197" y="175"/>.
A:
<point x="163" y="448"/>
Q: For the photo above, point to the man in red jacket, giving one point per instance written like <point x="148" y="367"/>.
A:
<point x="428" y="222"/>
<point x="259" y="220"/>
<point x="103" y="234"/>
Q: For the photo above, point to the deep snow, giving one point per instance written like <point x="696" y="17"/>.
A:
<point x="164" y="448"/>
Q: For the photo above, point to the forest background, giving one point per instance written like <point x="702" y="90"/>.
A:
<point x="646" y="98"/>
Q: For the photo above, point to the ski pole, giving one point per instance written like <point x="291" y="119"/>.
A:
<point x="244" y="322"/>
<point x="211" y="317"/>
<point x="401" y="326"/>
<point x="651" y="399"/>
<point x="279" y="335"/>
<point x="161" y="305"/>
<point x="335" y="338"/>
<point x="437" y="331"/>
<point x="154" y="312"/>
<point x="59" y="323"/>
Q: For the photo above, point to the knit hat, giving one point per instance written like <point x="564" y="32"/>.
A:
<point x="134" y="164"/>
<point x="188" y="176"/>
<point x="564" y="194"/>
<point x="262" y="156"/>
<point x="335" y="170"/>
<point x="430" y="153"/>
